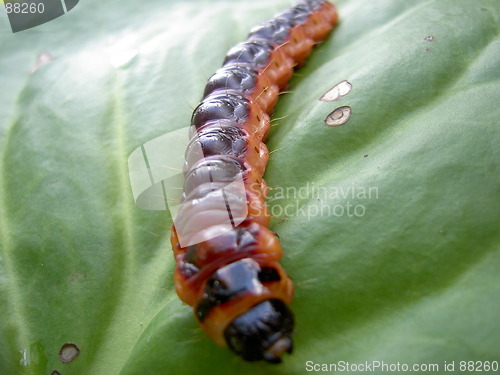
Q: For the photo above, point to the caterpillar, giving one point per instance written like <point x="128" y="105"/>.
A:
<point x="232" y="276"/>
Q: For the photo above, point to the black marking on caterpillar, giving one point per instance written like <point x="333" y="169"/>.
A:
<point x="232" y="277"/>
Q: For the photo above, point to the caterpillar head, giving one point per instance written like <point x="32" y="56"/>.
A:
<point x="262" y="333"/>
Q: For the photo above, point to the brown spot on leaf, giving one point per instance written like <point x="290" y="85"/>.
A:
<point x="75" y="276"/>
<point x="339" y="116"/>
<point x="68" y="352"/>
<point x="42" y="59"/>
<point x="338" y="91"/>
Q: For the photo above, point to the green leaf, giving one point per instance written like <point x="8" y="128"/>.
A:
<point x="399" y="264"/>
